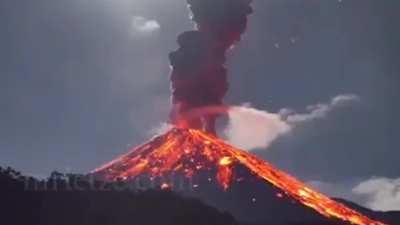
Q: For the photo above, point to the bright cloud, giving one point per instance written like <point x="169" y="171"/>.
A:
<point x="250" y="128"/>
<point x="143" y="25"/>
<point x="380" y="193"/>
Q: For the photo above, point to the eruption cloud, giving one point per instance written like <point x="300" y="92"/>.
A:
<point x="250" y="128"/>
<point x="199" y="77"/>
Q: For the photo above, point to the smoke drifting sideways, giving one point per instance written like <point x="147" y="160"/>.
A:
<point x="250" y="128"/>
<point x="199" y="77"/>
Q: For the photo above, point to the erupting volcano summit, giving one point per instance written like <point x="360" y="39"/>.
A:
<point x="199" y="79"/>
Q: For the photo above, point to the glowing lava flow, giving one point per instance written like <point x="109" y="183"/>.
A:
<point x="188" y="151"/>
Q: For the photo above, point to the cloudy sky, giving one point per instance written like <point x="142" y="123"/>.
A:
<point x="82" y="80"/>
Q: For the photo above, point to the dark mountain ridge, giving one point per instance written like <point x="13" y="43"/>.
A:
<point x="73" y="199"/>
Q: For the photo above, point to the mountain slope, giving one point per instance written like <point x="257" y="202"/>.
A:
<point x="191" y="153"/>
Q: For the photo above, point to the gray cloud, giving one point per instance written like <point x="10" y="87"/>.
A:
<point x="380" y="193"/>
<point x="320" y="110"/>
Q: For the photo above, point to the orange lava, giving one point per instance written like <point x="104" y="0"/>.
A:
<point x="188" y="151"/>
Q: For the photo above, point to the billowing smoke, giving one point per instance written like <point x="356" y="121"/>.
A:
<point x="250" y="128"/>
<point x="199" y="77"/>
<point x="320" y="110"/>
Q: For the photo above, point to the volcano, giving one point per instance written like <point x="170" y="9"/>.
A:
<point x="212" y="163"/>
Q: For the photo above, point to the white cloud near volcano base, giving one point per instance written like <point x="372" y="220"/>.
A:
<point x="141" y="25"/>
<point x="380" y="193"/>
<point x="377" y="193"/>
<point x="250" y="128"/>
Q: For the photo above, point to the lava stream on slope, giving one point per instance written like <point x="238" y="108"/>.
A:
<point x="189" y="151"/>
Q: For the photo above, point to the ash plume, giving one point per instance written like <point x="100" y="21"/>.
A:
<point x="199" y="77"/>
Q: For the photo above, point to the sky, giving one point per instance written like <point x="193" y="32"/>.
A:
<point x="82" y="81"/>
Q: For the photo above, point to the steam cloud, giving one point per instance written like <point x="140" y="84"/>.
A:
<point x="199" y="77"/>
<point x="378" y="193"/>
<point x="250" y="128"/>
<point x="381" y="193"/>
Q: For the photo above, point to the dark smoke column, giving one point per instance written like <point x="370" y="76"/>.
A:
<point x="198" y="77"/>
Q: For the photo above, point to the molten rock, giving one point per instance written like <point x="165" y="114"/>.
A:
<point x="192" y="153"/>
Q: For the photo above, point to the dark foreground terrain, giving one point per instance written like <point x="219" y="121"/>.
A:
<point x="27" y="201"/>
<point x="74" y="200"/>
